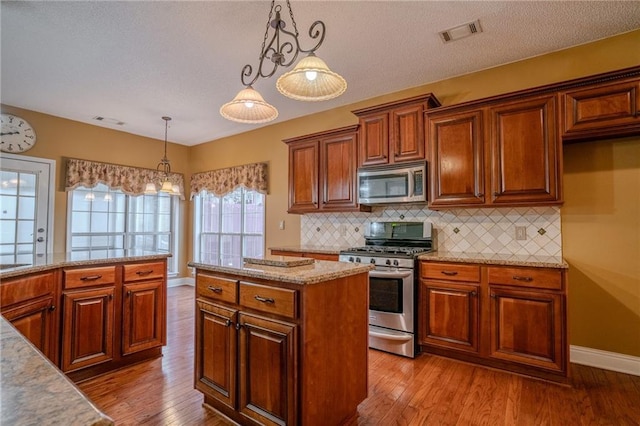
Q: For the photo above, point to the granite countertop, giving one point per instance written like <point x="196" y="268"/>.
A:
<point x="497" y="259"/>
<point x="33" y="391"/>
<point x="317" y="272"/>
<point x="310" y="248"/>
<point x="79" y="258"/>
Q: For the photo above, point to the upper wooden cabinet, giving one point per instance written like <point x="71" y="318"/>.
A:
<point x="322" y="171"/>
<point x="510" y="149"/>
<point x="393" y="132"/>
<point x="601" y="110"/>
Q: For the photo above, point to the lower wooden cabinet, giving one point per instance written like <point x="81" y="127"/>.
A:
<point x="88" y="326"/>
<point x="143" y="316"/>
<point x="267" y="370"/>
<point x="30" y="304"/>
<point x="514" y="318"/>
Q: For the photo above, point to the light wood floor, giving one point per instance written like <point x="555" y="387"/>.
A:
<point x="426" y="391"/>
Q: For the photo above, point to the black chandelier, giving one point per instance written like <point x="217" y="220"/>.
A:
<point x="310" y="80"/>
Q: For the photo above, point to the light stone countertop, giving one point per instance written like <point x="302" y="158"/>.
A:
<point x="310" y="248"/>
<point x="80" y="258"/>
<point x="317" y="272"/>
<point x="496" y="259"/>
<point x="34" y="392"/>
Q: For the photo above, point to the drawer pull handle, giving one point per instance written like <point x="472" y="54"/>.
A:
<point x="91" y="278"/>
<point x="449" y="273"/>
<point x="215" y="289"/>
<point x="525" y="279"/>
<point x="264" y="299"/>
<point x="147" y="272"/>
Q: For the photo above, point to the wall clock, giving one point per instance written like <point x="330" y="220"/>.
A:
<point x="16" y="135"/>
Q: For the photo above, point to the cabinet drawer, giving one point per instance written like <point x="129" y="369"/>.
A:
<point x="144" y="271"/>
<point x="89" y="277"/>
<point x="21" y="289"/>
<point x="222" y="289"/>
<point x="281" y="301"/>
<point x="526" y="277"/>
<point x="450" y="272"/>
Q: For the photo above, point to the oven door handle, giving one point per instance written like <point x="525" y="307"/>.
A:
<point x="394" y="274"/>
<point x="389" y="336"/>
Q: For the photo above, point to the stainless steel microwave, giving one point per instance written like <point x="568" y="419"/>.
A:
<point x="398" y="183"/>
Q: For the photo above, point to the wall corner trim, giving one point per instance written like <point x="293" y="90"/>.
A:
<point x="606" y="360"/>
<point x="175" y="282"/>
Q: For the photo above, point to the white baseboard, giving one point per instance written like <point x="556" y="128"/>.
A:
<point x="175" y="282"/>
<point x="606" y="360"/>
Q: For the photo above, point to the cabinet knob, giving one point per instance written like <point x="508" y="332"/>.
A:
<point x="227" y="323"/>
<point x="479" y="194"/>
<point x="238" y="326"/>
<point x="474" y="293"/>
<point x="52" y="308"/>
<point x="128" y="293"/>
<point x="492" y="295"/>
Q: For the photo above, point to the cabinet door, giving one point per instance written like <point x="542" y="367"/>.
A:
<point x="216" y="352"/>
<point x="525" y="153"/>
<point x="449" y="315"/>
<point x="268" y="370"/>
<point x="87" y="331"/>
<point x="527" y="328"/>
<point x="457" y="160"/>
<point x="143" y="316"/>
<point x="303" y="177"/>
<point x="338" y="164"/>
<point x="36" y="321"/>
<point x="406" y="139"/>
<point x="374" y="139"/>
<point x="602" y="110"/>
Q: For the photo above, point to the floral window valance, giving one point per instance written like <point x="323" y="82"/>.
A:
<point x="222" y="181"/>
<point x="130" y="180"/>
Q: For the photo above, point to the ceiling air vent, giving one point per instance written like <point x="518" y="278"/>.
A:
<point x="109" y="120"/>
<point x="461" y="31"/>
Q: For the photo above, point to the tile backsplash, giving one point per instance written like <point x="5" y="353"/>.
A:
<point x="487" y="230"/>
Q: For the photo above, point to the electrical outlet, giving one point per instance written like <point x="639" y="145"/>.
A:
<point x="342" y="230"/>
<point x="521" y="233"/>
<point x="281" y="224"/>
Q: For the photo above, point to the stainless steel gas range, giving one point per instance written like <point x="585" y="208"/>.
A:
<point x="393" y="248"/>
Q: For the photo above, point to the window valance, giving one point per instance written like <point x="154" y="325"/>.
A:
<point x="130" y="180"/>
<point x="222" y="181"/>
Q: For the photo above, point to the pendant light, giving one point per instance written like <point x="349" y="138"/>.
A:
<point x="165" y="167"/>
<point x="310" y="80"/>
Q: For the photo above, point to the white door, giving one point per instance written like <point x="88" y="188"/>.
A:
<point x="26" y="208"/>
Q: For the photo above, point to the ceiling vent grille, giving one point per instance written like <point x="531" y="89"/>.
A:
<point x="109" y="120"/>
<point x="461" y="31"/>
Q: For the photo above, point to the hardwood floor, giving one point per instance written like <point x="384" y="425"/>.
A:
<point x="426" y="391"/>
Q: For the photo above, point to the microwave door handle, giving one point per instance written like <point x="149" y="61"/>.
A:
<point x="394" y="274"/>
<point x="412" y="176"/>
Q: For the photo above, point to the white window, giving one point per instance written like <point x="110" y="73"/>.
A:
<point x="104" y="219"/>
<point x="229" y="227"/>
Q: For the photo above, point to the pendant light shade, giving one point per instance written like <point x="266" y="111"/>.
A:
<point x="311" y="80"/>
<point x="249" y="107"/>
<point x="150" y="189"/>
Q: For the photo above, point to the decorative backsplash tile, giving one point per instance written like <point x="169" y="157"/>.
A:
<point x="466" y="230"/>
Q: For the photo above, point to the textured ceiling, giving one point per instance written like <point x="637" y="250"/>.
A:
<point x="137" y="61"/>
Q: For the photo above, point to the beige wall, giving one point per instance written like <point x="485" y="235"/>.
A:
<point x="60" y="137"/>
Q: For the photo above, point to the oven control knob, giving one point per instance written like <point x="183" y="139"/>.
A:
<point x="350" y="258"/>
<point x="388" y="262"/>
<point x="358" y="260"/>
<point x="372" y="261"/>
<point x="395" y="262"/>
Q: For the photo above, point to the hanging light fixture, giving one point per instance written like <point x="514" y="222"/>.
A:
<point x="310" y="80"/>
<point x="165" y="167"/>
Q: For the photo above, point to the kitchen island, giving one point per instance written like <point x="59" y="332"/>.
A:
<point x="34" y="391"/>
<point x="282" y="341"/>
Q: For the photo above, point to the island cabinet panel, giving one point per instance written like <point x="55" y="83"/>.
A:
<point x="457" y="159"/>
<point x="508" y="317"/>
<point x="274" y="356"/>
<point x="30" y="303"/>
<point x="267" y="370"/>
<point x="601" y="110"/>
<point x="143" y="316"/>
<point x="216" y="349"/>
<point x="87" y="330"/>
<point x="393" y="132"/>
<point x="322" y="171"/>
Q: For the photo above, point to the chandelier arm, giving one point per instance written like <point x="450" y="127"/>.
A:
<point x="247" y="70"/>
<point x="315" y="33"/>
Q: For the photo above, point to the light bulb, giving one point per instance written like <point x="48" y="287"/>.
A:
<point x="311" y="75"/>
<point x="248" y="104"/>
